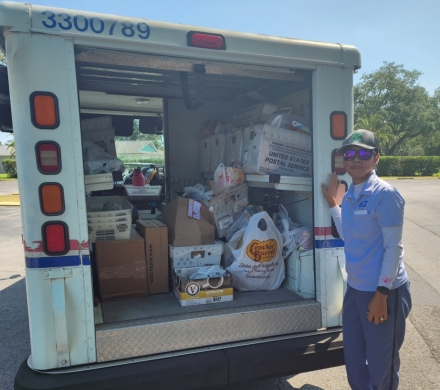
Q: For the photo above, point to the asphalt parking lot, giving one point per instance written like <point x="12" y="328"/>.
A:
<point x="420" y="353"/>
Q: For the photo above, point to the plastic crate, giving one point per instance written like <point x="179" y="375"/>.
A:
<point x="109" y="231"/>
<point x="147" y="190"/>
<point x="95" y="207"/>
<point x="196" y="256"/>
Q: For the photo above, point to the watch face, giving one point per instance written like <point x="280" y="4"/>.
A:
<point x="383" y="290"/>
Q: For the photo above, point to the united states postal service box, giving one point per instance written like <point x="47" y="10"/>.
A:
<point x="121" y="268"/>
<point x="155" y="234"/>
<point x="234" y="148"/>
<point x="186" y="226"/>
<point x="273" y="150"/>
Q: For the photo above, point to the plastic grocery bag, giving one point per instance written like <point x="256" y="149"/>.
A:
<point x="258" y="263"/>
<point x="97" y="161"/>
<point x="226" y="178"/>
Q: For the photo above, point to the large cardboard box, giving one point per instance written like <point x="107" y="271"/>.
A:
<point x="121" y="268"/>
<point x="185" y="230"/>
<point x="191" y="292"/>
<point x="155" y="234"/>
<point x="273" y="150"/>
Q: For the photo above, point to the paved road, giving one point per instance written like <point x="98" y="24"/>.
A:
<point x="420" y="353"/>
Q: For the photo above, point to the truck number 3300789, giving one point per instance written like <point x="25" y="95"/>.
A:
<point x="81" y="23"/>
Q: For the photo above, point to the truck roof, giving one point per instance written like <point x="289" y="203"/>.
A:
<point x="146" y="36"/>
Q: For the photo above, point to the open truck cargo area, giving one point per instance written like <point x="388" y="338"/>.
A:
<point x="274" y="109"/>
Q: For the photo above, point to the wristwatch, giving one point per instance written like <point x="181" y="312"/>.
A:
<point x="383" y="290"/>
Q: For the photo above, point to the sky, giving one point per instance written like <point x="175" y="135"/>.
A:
<point x="401" y="31"/>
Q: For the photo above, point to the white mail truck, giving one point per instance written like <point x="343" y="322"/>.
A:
<point x="66" y="66"/>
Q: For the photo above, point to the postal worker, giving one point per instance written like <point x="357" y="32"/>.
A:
<point x="378" y="299"/>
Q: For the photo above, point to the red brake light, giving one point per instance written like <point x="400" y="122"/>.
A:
<point x="48" y="157"/>
<point x="338" y="125"/>
<point x="206" y="41"/>
<point x="55" y="238"/>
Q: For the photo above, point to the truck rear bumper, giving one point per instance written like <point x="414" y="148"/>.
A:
<point x="204" y="370"/>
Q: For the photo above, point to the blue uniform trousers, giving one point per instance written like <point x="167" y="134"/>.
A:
<point x="372" y="351"/>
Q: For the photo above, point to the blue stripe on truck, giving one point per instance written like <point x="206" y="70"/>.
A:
<point x="56" y="261"/>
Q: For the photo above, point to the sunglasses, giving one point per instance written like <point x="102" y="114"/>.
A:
<point x="364" y="154"/>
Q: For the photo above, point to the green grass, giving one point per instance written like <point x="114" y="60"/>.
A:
<point x="4" y="176"/>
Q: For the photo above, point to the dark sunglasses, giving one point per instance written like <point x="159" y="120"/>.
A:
<point x="364" y="154"/>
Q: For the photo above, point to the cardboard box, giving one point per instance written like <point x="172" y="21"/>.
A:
<point x="272" y="150"/>
<point x="234" y="148"/>
<point x="255" y="114"/>
<point x="121" y="268"/>
<point x="227" y="205"/>
<point x="202" y="291"/>
<point x="205" y="154"/>
<point x="196" y="256"/>
<point x="218" y="142"/>
<point x="155" y="234"/>
<point x="184" y="230"/>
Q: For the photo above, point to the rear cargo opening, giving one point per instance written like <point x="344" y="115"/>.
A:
<point x="134" y="86"/>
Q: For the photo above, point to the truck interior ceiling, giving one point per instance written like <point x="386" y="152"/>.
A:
<point x="187" y="94"/>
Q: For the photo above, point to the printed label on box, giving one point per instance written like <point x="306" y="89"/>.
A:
<point x="225" y="222"/>
<point x="194" y="209"/>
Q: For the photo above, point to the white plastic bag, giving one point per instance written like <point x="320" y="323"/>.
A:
<point x="258" y="263"/>
<point x="97" y="161"/>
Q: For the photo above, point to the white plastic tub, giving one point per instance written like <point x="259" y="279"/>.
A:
<point x="95" y="207"/>
<point x="196" y="256"/>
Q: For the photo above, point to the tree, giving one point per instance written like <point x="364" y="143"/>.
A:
<point x="377" y="124"/>
<point x="407" y="108"/>
<point x="11" y="147"/>
<point x="137" y="135"/>
<point x="2" y="58"/>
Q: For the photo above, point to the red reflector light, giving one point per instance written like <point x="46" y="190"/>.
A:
<point x="44" y="110"/>
<point x="55" y="238"/>
<point x="206" y="41"/>
<point x="338" y="124"/>
<point x="48" y="157"/>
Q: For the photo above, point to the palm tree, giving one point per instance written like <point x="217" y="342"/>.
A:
<point x="11" y="147"/>
<point x="381" y="127"/>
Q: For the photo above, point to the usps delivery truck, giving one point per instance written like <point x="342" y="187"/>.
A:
<point x="66" y="66"/>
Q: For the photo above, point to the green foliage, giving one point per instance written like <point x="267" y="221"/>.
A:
<point x="404" y="110"/>
<point x="408" y="165"/>
<point x="11" y="147"/>
<point x="158" y="140"/>
<point x="158" y="161"/>
<point x="10" y="167"/>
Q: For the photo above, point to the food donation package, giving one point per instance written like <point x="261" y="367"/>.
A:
<point x="258" y="263"/>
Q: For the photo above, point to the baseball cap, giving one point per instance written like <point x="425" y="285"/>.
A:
<point x="364" y="138"/>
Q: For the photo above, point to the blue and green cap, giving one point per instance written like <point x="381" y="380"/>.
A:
<point x="363" y="138"/>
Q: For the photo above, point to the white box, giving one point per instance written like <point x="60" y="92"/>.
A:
<point x="272" y="150"/>
<point x="234" y="147"/>
<point x="196" y="256"/>
<point x="300" y="276"/>
<point x="205" y="154"/>
<point x="95" y="207"/>
<point x="120" y="219"/>
<point x="255" y="114"/>
<point x="110" y="231"/>
<point x="227" y="205"/>
<point x="97" y="123"/>
<point x="147" y="190"/>
<point x="218" y="142"/>
<point x="104" y="138"/>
